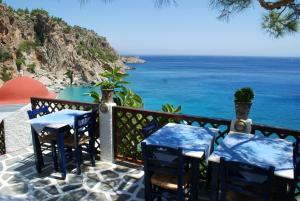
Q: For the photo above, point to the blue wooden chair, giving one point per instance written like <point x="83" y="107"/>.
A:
<point x="45" y="138"/>
<point x="296" y="161"/>
<point x="241" y="181"/>
<point x="163" y="176"/>
<point x="150" y="128"/>
<point x="84" y="135"/>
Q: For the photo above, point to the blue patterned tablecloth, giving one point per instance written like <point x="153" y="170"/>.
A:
<point x="60" y="118"/>
<point x="260" y="151"/>
<point x="189" y="138"/>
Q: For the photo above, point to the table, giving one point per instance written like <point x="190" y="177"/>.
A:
<point x="195" y="142"/>
<point x="255" y="150"/>
<point x="56" y="123"/>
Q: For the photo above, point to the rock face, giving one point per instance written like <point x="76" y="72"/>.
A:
<point x="132" y="60"/>
<point x="48" y="49"/>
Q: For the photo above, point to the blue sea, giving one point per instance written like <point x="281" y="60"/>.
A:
<point x="204" y="86"/>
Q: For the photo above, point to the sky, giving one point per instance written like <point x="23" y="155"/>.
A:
<point x="137" y="27"/>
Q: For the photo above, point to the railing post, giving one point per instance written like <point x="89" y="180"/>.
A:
<point x="106" y="130"/>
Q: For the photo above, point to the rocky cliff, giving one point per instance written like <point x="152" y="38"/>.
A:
<point x="35" y="44"/>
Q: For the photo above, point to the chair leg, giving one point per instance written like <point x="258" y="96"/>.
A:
<point x="78" y="159"/>
<point x="54" y="156"/>
<point x="92" y="151"/>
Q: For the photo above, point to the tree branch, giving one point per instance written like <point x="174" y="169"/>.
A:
<point x="274" y="5"/>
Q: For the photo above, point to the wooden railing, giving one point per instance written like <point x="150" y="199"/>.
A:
<point x="57" y="105"/>
<point x="2" y="138"/>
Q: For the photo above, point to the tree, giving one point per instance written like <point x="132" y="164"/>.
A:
<point x="70" y="74"/>
<point x="282" y="16"/>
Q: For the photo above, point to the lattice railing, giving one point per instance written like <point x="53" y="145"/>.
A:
<point x="57" y="105"/>
<point x="128" y="123"/>
<point x="2" y="138"/>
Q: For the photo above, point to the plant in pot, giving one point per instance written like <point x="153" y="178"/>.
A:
<point x="243" y="101"/>
<point x="107" y="89"/>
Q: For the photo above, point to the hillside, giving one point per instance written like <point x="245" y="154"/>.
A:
<point x="48" y="49"/>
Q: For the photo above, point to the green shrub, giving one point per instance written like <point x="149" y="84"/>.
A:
<point x="245" y="94"/>
<point x="67" y="29"/>
<point x="5" y="76"/>
<point x="19" y="63"/>
<point x="37" y="11"/>
<point x="22" y="11"/>
<point x="4" y="55"/>
<point x="31" y="68"/>
<point x="56" y="19"/>
<point x="27" y="46"/>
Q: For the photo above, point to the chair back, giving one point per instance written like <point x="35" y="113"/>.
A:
<point x="40" y="111"/>
<point x="246" y="179"/>
<point x="150" y="128"/>
<point x="85" y="123"/>
<point x="296" y="161"/>
<point x="155" y="162"/>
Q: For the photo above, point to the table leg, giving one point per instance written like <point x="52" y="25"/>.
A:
<point x="214" y="190"/>
<point x="61" y="150"/>
<point x="195" y="178"/>
<point x="37" y="151"/>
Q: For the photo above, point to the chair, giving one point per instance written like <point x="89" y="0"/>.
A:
<point x="150" y="128"/>
<point x="45" y="137"/>
<point x="241" y="181"/>
<point x="296" y="161"/>
<point x="84" y="134"/>
<point x="164" y="176"/>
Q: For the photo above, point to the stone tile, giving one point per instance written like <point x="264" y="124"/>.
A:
<point x="39" y="194"/>
<point x="121" y="169"/>
<point x="91" y="182"/>
<point x="1" y="166"/>
<point x="108" y="174"/>
<point x="42" y="183"/>
<point x="53" y="198"/>
<point x="52" y="190"/>
<point x="105" y="187"/>
<point x="12" y="161"/>
<point x="6" y="176"/>
<point x="71" y="187"/>
<point x="96" y="196"/>
<point x="15" y="179"/>
<point x="121" y="197"/>
<point x="74" y="179"/>
<point x="102" y="166"/>
<point x="74" y="196"/>
<point x="18" y="189"/>
<point x="141" y="194"/>
<point x="131" y="178"/>
<point x="113" y="183"/>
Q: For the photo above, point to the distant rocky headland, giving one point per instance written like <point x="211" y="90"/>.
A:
<point x="44" y="47"/>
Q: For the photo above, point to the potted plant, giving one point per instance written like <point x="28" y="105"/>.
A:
<point x="107" y="89"/>
<point x="243" y="102"/>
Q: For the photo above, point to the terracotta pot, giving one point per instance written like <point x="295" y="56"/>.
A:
<point x="242" y="109"/>
<point x="107" y="95"/>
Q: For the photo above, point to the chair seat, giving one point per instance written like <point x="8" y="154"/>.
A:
<point x="69" y="140"/>
<point x="168" y="181"/>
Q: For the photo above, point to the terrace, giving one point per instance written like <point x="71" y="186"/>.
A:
<point x="120" y="180"/>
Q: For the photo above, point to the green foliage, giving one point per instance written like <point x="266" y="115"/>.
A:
<point x="57" y="19"/>
<point x="37" y="11"/>
<point x="114" y="75"/>
<point x="170" y="108"/>
<point x="1" y="1"/>
<point x="5" y="75"/>
<point x="4" y="55"/>
<point x="67" y="29"/>
<point x="21" y="11"/>
<point x="126" y="97"/>
<point x="27" y="46"/>
<point x="70" y="74"/>
<point x="31" y="68"/>
<point x="19" y="63"/>
<point x="277" y="24"/>
<point x="122" y="96"/>
<point x="95" y="52"/>
<point x="106" y="85"/>
<point x="244" y="95"/>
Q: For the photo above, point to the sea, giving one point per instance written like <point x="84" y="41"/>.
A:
<point x="205" y="86"/>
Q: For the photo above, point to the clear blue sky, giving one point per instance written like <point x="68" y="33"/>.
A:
<point x="137" y="27"/>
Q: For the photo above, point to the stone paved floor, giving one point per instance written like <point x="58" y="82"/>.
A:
<point x="20" y="181"/>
